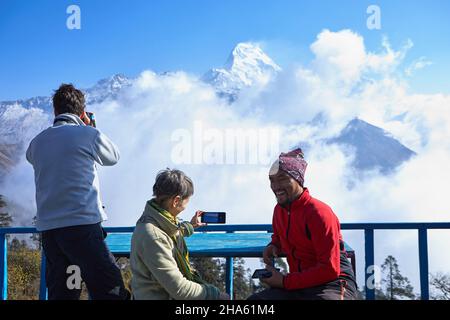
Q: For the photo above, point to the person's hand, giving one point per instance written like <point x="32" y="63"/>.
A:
<point x="270" y="252"/>
<point x="84" y="117"/>
<point x="196" y="220"/>
<point x="276" y="280"/>
<point x="224" y="296"/>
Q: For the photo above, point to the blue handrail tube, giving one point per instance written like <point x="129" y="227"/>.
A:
<point x="368" y="229"/>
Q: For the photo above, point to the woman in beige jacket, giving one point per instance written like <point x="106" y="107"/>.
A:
<point x="159" y="257"/>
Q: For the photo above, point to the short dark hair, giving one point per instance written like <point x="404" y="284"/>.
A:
<point x="68" y="99"/>
<point x="171" y="183"/>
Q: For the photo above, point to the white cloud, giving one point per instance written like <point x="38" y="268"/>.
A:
<point x="417" y="64"/>
<point x="342" y="59"/>
<point x="388" y="60"/>
<point x="339" y="55"/>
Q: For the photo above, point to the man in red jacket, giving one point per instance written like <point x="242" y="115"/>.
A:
<point x="308" y="232"/>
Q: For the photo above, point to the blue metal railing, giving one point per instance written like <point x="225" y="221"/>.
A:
<point x="368" y="229"/>
<point x="422" y="228"/>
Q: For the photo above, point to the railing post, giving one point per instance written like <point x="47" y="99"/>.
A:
<point x="423" y="264"/>
<point x="229" y="276"/>
<point x="370" y="263"/>
<point x="3" y="267"/>
<point x="43" y="284"/>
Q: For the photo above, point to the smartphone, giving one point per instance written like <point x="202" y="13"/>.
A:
<point x="213" y="217"/>
<point x="262" y="273"/>
<point x="91" y="117"/>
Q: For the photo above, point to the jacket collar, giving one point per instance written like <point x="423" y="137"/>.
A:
<point x="300" y="201"/>
<point x="303" y="199"/>
<point x="68" y="118"/>
<point x="151" y="214"/>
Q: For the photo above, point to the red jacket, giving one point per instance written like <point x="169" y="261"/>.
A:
<point x="308" y="232"/>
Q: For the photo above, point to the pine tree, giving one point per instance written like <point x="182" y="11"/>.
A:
<point x="2" y="202"/>
<point x="242" y="282"/>
<point x="379" y="293"/>
<point x="5" y="218"/>
<point x="211" y="270"/>
<point x="36" y="237"/>
<point x="17" y="245"/>
<point x="397" y="286"/>
<point x="279" y="263"/>
<point x="441" y="283"/>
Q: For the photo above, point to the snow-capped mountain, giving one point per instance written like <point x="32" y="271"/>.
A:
<point x="374" y="147"/>
<point x="102" y="90"/>
<point x="44" y="103"/>
<point x="22" y="119"/>
<point x="247" y="65"/>
<point x="107" y="88"/>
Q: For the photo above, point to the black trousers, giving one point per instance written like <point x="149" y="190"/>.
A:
<point x="82" y="247"/>
<point x="335" y="290"/>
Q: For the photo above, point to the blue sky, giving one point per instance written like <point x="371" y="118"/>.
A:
<point x="38" y="52"/>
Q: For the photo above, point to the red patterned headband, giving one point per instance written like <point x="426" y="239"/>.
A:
<point x="292" y="163"/>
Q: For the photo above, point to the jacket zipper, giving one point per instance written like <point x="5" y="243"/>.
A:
<point x="287" y="236"/>
<point x="289" y="222"/>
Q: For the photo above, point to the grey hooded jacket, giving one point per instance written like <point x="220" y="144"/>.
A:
<point x="64" y="159"/>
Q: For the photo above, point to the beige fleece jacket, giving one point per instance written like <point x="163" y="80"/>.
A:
<point x="155" y="273"/>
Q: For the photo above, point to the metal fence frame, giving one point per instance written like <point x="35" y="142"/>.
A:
<point x="368" y="228"/>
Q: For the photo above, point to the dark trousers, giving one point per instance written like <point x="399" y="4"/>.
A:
<point x="82" y="247"/>
<point x="335" y="290"/>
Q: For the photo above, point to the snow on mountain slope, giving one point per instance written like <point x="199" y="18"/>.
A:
<point x="374" y="147"/>
<point x="107" y="88"/>
<point x="22" y="119"/>
<point x="247" y="65"/>
<point x="102" y="90"/>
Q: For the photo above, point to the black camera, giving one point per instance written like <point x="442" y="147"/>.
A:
<point x="91" y="117"/>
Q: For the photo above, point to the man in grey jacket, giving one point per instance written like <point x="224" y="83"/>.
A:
<point x="69" y="208"/>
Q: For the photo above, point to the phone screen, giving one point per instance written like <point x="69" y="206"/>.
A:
<point x="213" y="217"/>
<point x="261" y="273"/>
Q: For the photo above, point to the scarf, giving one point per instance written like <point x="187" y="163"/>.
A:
<point x="167" y="220"/>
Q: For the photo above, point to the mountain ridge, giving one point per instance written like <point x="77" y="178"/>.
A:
<point x="247" y="65"/>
